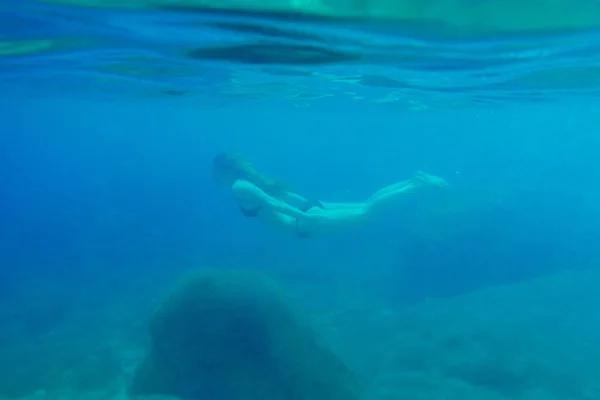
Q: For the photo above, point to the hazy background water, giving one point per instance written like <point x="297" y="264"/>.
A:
<point x="110" y="118"/>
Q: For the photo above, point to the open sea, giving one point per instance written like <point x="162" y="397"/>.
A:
<point x="221" y="199"/>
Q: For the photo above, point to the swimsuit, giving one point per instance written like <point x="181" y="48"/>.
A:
<point x="250" y="213"/>
<point x="304" y="208"/>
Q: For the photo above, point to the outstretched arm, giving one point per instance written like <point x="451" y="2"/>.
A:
<point x="294" y="199"/>
<point x="246" y="190"/>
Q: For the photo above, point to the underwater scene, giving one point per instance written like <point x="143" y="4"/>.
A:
<point x="299" y="199"/>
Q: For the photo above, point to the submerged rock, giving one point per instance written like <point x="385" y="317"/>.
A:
<point x="232" y="336"/>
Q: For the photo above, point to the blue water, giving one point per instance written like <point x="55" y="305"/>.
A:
<point x="486" y="290"/>
<point x="235" y="58"/>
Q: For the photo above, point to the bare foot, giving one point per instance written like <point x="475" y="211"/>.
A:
<point x="431" y="179"/>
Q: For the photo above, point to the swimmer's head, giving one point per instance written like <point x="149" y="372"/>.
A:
<point x="228" y="168"/>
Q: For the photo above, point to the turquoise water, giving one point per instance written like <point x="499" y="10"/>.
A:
<point x="224" y="57"/>
<point x="112" y="113"/>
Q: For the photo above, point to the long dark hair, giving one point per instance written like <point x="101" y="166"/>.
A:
<point x="238" y="167"/>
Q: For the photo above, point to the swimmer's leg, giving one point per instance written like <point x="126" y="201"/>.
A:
<point x="397" y="189"/>
<point x="400" y="187"/>
<point x="395" y="193"/>
<point x="431" y="180"/>
<point x="339" y="217"/>
<point x="336" y="218"/>
<point x="342" y="216"/>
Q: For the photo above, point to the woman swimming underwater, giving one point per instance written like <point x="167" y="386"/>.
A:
<point x="277" y="206"/>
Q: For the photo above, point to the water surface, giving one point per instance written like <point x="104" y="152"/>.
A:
<point x="414" y="58"/>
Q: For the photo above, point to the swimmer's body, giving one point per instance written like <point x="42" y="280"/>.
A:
<point x="286" y="211"/>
